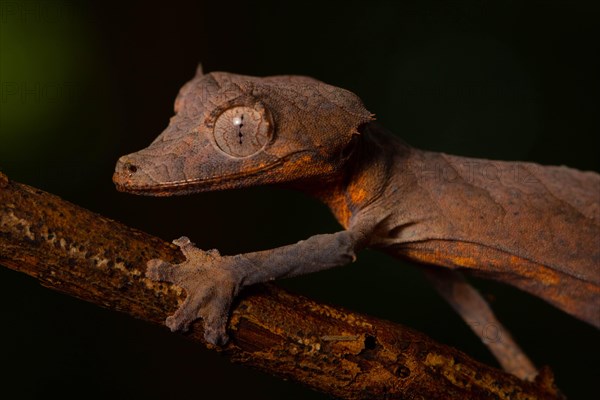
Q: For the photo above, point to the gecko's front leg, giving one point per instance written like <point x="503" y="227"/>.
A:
<point x="212" y="281"/>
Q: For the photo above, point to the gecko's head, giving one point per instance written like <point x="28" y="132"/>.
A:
<point x="231" y="131"/>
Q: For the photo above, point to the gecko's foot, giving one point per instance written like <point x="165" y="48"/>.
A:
<point x="210" y="284"/>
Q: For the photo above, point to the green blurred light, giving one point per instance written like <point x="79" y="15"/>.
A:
<point x="38" y="69"/>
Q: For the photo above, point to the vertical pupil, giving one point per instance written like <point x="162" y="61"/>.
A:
<point x="239" y="121"/>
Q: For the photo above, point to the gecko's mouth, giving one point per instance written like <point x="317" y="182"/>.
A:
<point x="127" y="178"/>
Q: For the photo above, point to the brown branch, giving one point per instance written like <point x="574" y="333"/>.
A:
<point x="347" y="355"/>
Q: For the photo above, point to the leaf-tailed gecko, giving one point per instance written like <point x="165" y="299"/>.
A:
<point x="534" y="227"/>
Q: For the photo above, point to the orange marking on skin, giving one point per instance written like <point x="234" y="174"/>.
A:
<point x="568" y="293"/>
<point x="358" y="195"/>
<point x="340" y="209"/>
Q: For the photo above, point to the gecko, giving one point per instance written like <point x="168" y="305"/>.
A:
<point x="530" y="226"/>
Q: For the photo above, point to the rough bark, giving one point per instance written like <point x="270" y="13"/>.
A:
<point x="329" y="349"/>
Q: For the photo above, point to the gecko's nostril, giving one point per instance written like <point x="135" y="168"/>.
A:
<point x="131" y="168"/>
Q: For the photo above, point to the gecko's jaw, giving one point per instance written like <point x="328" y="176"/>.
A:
<point x="131" y="178"/>
<point x="158" y="191"/>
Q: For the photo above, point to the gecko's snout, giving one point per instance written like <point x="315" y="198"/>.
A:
<point x="124" y="172"/>
<point x="143" y="175"/>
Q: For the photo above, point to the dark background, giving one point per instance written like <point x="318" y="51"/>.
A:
<point x="83" y="84"/>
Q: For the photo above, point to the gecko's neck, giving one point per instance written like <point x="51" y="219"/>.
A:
<point x="365" y="175"/>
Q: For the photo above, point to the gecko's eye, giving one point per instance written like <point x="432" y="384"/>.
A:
<point x="242" y="131"/>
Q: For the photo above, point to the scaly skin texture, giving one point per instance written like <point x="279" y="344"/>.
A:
<point x="531" y="226"/>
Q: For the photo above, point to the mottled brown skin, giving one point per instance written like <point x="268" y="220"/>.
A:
<point x="531" y="226"/>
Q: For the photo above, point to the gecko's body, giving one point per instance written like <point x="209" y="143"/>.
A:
<point x="534" y="227"/>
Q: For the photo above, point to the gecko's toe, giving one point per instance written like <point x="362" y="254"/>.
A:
<point x="190" y="250"/>
<point x="180" y="321"/>
<point x="216" y="337"/>
<point x="183" y="241"/>
<point x="211" y="308"/>
<point x="177" y="324"/>
<point x="187" y="313"/>
<point x="215" y="317"/>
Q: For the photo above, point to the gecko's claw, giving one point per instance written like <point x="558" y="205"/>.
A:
<point x="210" y="284"/>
